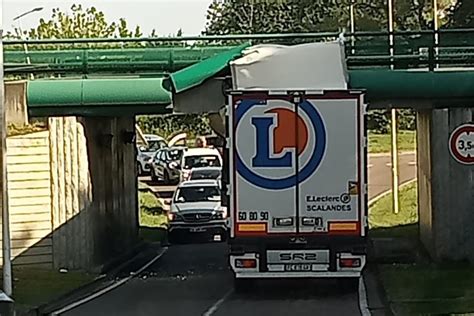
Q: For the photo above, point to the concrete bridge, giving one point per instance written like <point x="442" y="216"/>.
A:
<point x="430" y="72"/>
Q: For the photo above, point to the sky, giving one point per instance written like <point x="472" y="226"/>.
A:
<point x="166" y="16"/>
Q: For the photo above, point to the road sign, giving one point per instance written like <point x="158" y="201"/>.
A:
<point x="461" y="144"/>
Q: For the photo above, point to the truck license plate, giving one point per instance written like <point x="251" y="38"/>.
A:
<point x="197" y="230"/>
<point x="297" y="267"/>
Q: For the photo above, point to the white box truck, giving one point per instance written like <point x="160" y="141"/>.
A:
<point x="296" y="159"/>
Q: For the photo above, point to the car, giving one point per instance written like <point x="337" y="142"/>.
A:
<point x="165" y="165"/>
<point x="196" y="208"/>
<point x="145" y="153"/>
<point x="198" y="158"/>
<point x="203" y="173"/>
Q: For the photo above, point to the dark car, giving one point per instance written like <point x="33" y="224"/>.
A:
<point x="165" y="166"/>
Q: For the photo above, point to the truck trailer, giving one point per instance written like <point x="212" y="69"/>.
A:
<point x="297" y="179"/>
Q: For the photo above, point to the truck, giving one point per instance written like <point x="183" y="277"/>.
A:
<point x="296" y="179"/>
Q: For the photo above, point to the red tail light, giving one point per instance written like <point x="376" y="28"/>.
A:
<point x="246" y="263"/>
<point x="349" y="263"/>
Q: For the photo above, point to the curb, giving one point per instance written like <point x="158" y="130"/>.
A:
<point x="114" y="268"/>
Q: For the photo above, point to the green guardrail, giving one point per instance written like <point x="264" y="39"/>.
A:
<point x="419" y="49"/>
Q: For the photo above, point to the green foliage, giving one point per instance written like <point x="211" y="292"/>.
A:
<point x="462" y="14"/>
<point x="378" y="121"/>
<point x="253" y="16"/>
<point x="34" y="127"/>
<point x="165" y="126"/>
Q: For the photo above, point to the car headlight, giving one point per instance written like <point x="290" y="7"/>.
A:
<point x="221" y="212"/>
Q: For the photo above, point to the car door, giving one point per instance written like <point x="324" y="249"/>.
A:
<point x="159" y="164"/>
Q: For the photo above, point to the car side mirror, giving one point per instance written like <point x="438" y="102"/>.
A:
<point x="167" y="202"/>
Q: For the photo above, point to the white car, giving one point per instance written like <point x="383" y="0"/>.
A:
<point x="196" y="208"/>
<point x="205" y="173"/>
<point x="145" y="153"/>
<point x="198" y="158"/>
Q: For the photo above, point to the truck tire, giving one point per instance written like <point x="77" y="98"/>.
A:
<point x="243" y="285"/>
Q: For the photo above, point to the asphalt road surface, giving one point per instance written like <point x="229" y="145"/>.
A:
<point x="380" y="172"/>
<point x="194" y="279"/>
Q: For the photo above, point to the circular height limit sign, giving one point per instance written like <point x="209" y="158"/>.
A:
<point x="461" y="144"/>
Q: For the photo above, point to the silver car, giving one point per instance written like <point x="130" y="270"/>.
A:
<point x="196" y="208"/>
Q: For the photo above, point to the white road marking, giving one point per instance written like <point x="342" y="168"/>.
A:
<point x="110" y="287"/>
<point x="216" y="305"/>
<point x="388" y="164"/>
<point x="370" y="165"/>
<point x="363" y="304"/>
<point x="412" y="163"/>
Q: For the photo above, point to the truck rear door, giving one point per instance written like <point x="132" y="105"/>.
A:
<point x="296" y="163"/>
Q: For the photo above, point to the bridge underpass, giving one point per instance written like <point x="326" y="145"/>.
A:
<point x="435" y="80"/>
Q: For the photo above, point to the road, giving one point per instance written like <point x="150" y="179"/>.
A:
<point x="380" y="172"/>
<point x="194" y="279"/>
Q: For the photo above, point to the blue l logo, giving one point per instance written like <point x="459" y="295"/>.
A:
<point x="262" y="157"/>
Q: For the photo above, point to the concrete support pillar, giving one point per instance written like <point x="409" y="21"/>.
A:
<point x="446" y="187"/>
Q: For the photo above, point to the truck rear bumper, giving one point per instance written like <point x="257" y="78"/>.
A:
<point x="298" y="275"/>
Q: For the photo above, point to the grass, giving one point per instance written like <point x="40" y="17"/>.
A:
<point x="34" y="287"/>
<point x="153" y="219"/>
<point x="421" y="288"/>
<point x="381" y="143"/>
<point x="428" y="289"/>
<point x="381" y="213"/>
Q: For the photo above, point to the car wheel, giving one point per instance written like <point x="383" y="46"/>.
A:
<point x="166" y="177"/>
<point x="154" y="178"/>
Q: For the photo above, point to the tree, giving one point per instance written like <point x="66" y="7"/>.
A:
<point x="462" y="14"/>
<point x="81" y="23"/>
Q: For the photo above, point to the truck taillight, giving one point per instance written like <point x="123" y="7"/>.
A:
<point x="246" y="263"/>
<point x="349" y="262"/>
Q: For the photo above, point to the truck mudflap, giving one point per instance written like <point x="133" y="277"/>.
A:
<point x="315" y="263"/>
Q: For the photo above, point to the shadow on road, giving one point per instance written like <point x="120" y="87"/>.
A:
<point x="297" y="289"/>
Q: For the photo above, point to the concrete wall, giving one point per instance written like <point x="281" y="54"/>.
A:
<point x="446" y="227"/>
<point x="15" y="102"/>
<point x="73" y="193"/>
<point x="95" y="212"/>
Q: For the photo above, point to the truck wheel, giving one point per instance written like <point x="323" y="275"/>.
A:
<point x="243" y="285"/>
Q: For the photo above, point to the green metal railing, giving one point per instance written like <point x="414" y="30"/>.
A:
<point x="157" y="56"/>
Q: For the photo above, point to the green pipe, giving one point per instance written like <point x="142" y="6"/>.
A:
<point x="97" y="92"/>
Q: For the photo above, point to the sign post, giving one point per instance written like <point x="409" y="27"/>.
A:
<point x="461" y="144"/>
<point x="7" y="273"/>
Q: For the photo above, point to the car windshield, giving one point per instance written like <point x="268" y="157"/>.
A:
<point x="201" y="161"/>
<point x="205" y="174"/>
<point x="198" y="194"/>
<point x="154" y="145"/>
